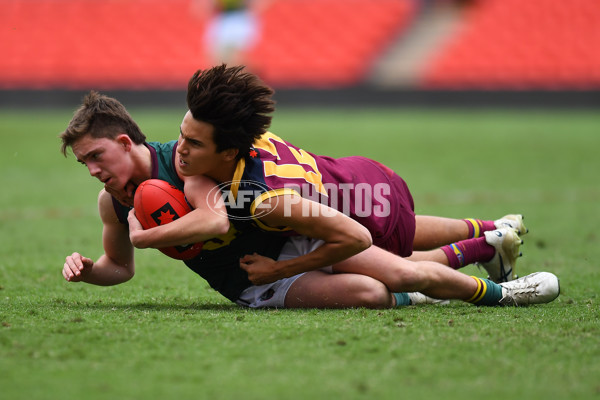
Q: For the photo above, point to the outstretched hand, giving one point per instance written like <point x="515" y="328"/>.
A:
<point x="75" y="266"/>
<point x="261" y="270"/>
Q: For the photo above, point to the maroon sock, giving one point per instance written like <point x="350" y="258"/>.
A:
<point x="468" y="252"/>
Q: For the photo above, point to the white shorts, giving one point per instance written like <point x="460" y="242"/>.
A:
<point x="272" y="295"/>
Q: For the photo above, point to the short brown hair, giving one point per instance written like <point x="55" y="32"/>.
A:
<point x="235" y="102"/>
<point x="100" y="116"/>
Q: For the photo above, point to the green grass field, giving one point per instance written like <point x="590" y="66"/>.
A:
<point x="167" y="335"/>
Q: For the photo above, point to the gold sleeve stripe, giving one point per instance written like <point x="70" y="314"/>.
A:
<point x="267" y="195"/>
<point x="271" y="193"/>
<point x="237" y="177"/>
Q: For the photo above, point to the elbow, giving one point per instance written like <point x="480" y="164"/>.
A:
<point x="354" y="239"/>
<point x="209" y="228"/>
<point x="361" y="240"/>
<point x="222" y="227"/>
<point x="364" y="240"/>
<point x="126" y="274"/>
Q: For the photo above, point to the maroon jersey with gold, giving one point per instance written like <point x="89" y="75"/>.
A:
<point x="363" y="189"/>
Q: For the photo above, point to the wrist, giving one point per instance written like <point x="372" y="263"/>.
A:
<point x="286" y="268"/>
<point x="137" y="239"/>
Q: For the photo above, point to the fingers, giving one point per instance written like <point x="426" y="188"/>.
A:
<point x="130" y="190"/>
<point x="124" y="195"/>
<point x="74" y="266"/>
<point x="132" y="218"/>
<point x="260" y="269"/>
<point x="135" y="230"/>
<point x="246" y="263"/>
<point x="249" y="258"/>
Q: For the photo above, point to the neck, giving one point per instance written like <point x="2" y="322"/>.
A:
<point x="225" y="173"/>
<point x="142" y="164"/>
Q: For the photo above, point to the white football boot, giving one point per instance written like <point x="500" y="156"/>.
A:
<point x="420" y="298"/>
<point x="537" y="288"/>
<point x="501" y="268"/>
<point x="514" y="221"/>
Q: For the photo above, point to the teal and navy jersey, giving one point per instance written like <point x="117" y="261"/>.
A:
<point x="218" y="262"/>
<point x="365" y="190"/>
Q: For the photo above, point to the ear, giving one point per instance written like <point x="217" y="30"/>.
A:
<point x="230" y="154"/>
<point x="124" y="141"/>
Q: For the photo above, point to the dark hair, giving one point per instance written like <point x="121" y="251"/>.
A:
<point x="234" y="102"/>
<point x="100" y="116"/>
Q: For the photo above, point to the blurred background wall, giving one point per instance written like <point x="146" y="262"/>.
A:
<point x="367" y="52"/>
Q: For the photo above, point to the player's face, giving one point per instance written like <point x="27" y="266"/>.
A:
<point x="197" y="151"/>
<point x="105" y="159"/>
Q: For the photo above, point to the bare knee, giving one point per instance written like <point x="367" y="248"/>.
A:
<point x="317" y="289"/>
<point x="412" y="279"/>
<point x="373" y="295"/>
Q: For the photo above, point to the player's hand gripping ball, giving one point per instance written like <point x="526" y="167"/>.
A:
<point x="157" y="202"/>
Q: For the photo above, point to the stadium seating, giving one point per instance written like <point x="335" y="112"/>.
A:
<point x="515" y="44"/>
<point x="133" y="44"/>
<point x="327" y="43"/>
<point x="137" y="44"/>
<point x="157" y="44"/>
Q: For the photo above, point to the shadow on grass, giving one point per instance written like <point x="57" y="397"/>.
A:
<point x="167" y="305"/>
<point x="174" y="306"/>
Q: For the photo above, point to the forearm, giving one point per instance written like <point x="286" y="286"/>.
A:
<point x="106" y="272"/>
<point x="190" y="228"/>
<point x="326" y="255"/>
<point x="116" y="265"/>
<point x="207" y="220"/>
<point x="342" y="238"/>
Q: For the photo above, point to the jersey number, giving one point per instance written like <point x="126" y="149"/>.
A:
<point x="295" y="171"/>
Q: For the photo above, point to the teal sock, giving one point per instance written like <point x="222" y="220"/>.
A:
<point x="402" y="299"/>
<point x="488" y="293"/>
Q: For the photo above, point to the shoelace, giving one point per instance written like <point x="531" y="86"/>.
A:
<point x="522" y="290"/>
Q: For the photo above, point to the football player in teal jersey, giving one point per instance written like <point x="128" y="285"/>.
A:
<point x="106" y="140"/>
<point x="282" y="188"/>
